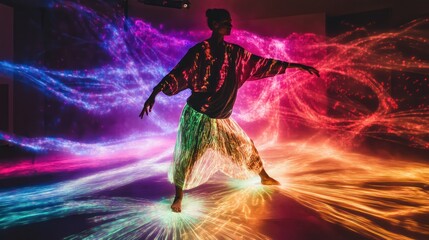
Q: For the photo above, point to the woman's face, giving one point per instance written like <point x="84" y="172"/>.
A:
<point x="223" y="27"/>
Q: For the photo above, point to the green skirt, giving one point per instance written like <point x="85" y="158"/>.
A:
<point x="206" y="145"/>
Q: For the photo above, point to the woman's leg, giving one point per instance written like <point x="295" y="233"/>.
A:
<point x="235" y="144"/>
<point x="177" y="203"/>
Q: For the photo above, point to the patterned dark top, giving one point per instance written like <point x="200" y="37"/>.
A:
<point x="214" y="73"/>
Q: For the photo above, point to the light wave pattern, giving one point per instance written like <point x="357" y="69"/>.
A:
<point x="355" y="66"/>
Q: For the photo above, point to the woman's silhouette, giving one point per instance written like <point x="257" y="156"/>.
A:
<point x="208" y="139"/>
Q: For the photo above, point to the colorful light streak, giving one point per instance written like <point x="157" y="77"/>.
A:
<point x="374" y="197"/>
<point x="140" y="219"/>
<point x="97" y="156"/>
<point x="140" y="57"/>
<point x="46" y="201"/>
<point x="378" y="198"/>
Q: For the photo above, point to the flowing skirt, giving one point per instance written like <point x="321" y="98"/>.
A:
<point x="206" y="145"/>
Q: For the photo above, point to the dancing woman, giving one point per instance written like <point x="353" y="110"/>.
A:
<point x="208" y="139"/>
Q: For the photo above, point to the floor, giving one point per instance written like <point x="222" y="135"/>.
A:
<point x="325" y="193"/>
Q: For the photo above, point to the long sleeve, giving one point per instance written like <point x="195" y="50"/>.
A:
<point x="178" y="78"/>
<point x="253" y="67"/>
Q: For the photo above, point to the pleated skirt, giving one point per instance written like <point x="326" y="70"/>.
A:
<point x="207" y="145"/>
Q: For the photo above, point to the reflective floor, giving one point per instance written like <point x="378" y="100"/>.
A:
<point x="326" y="193"/>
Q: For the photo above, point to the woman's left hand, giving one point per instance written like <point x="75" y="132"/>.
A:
<point x="309" y="69"/>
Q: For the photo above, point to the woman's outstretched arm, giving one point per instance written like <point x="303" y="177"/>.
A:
<point x="173" y="82"/>
<point x="309" y="69"/>
<point x="253" y="67"/>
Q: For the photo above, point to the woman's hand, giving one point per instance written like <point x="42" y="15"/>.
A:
<point x="309" y="69"/>
<point x="147" y="106"/>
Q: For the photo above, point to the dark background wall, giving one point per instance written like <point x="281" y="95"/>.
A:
<point x="244" y="12"/>
<point x="6" y="53"/>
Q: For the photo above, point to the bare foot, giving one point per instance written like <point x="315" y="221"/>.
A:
<point x="269" y="181"/>
<point x="177" y="205"/>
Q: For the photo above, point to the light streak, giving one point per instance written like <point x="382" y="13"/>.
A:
<point x="154" y="220"/>
<point x="350" y="64"/>
<point x="375" y="197"/>
<point x="40" y="202"/>
<point x="378" y="198"/>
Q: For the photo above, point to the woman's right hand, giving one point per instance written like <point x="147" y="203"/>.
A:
<point x="147" y="106"/>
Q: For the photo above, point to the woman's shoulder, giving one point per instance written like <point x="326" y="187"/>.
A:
<point x="234" y="45"/>
<point x="198" y="47"/>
